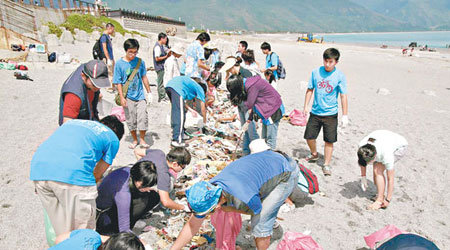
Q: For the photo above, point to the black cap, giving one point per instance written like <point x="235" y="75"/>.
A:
<point x="97" y="71"/>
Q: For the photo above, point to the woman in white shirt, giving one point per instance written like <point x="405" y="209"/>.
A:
<point x="171" y="66"/>
<point x="382" y="148"/>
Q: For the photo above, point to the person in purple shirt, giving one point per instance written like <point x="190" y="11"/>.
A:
<point x="127" y="194"/>
<point x="263" y="102"/>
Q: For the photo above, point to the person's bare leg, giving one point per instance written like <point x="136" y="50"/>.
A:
<point x="328" y="152"/>
<point x="262" y="243"/>
<point x="312" y="146"/>
<point x="142" y="136"/>
<point x="380" y="182"/>
<point x="134" y="135"/>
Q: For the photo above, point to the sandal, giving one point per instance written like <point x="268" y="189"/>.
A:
<point x="326" y="170"/>
<point x="375" y="206"/>
<point x="132" y="145"/>
<point x="145" y="145"/>
<point x="312" y="158"/>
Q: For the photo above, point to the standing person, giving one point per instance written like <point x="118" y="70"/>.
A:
<point x="262" y="102"/>
<point x="382" y="148"/>
<point x="242" y="46"/>
<point x="271" y="61"/>
<point x="326" y="82"/>
<point x="81" y="91"/>
<point x="67" y="166"/>
<point x="134" y="102"/>
<point x="171" y="66"/>
<point x="107" y="49"/>
<point x="180" y="89"/>
<point x="127" y="194"/>
<point x="159" y="57"/>
<point x="269" y="179"/>
<point x="249" y="62"/>
<point x="195" y="56"/>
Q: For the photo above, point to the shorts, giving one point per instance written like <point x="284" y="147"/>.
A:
<point x="329" y="124"/>
<point x="262" y="223"/>
<point x="136" y="115"/>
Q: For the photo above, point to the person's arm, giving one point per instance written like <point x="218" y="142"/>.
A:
<point x="363" y="170"/>
<point x="308" y="96"/>
<point x="146" y="83"/>
<point x="158" y="51"/>
<point x="233" y="209"/>
<point x="139" y="153"/>
<point x="189" y="230"/>
<point x="167" y="202"/>
<point x="123" y="101"/>
<point x="100" y="169"/>
<point x="203" y="107"/>
<point x="251" y="98"/>
<point x="273" y="61"/>
<point x="202" y="64"/>
<point x="105" y="51"/>
<point x="123" y="204"/>
<point x="344" y="103"/>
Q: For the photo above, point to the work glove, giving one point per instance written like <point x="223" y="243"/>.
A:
<point x="149" y="98"/>
<point x="364" y="185"/>
<point x="187" y="209"/>
<point x="345" y="120"/>
<point x="245" y="127"/>
<point x="110" y="63"/>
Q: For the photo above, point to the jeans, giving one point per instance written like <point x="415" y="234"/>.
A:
<point x="262" y="223"/>
<point x="178" y="115"/>
<point x="269" y="133"/>
<point x="251" y="133"/>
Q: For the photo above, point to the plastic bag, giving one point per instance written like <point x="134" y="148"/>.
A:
<point x="297" y="241"/>
<point x="297" y="118"/>
<point x="193" y="119"/>
<point x="383" y="234"/>
<point x="49" y="231"/>
<point x="227" y="225"/>
<point x="119" y="113"/>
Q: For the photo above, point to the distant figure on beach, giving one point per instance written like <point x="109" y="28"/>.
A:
<point x="171" y="66"/>
<point x="326" y="83"/>
<point x="242" y="47"/>
<point x="107" y="49"/>
<point x="195" y="56"/>
<point x="269" y="178"/>
<point x="271" y="62"/>
<point x="127" y="194"/>
<point x="250" y="63"/>
<point x="382" y="148"/>
<point x="80" y="93"/>
<point x="160" y="56"/>
<point x="133" y="102"/>
<point x="67" y="166"/>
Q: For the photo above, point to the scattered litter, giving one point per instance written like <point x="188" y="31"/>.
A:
<point x="429" y="92"/>
<point x="383" y="91"/>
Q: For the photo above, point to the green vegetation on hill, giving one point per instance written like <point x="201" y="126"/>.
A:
<point x="87" y="23"/>
<point x="269" y="15"/>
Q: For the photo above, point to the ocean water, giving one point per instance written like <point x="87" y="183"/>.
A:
<point x="434" y="39"/>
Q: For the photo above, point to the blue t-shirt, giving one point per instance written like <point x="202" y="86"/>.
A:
<point x="272" y="60"/>
<point x="107" y="39"/>
<point x="71" y="153"/>
<point x="187" y="88"/>
<point x="327" y="86"/>
<point x="194" y="53"/>
<point x="122" y="70"/>
<point x="81" y="239"/>
<point x="262" y="172"/>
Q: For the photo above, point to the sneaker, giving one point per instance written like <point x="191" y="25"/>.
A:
<point x="186" y="137"/>
<point x="312" y="158"/>
<point x="326" y="170"/>
<point x="177" y="144"/>
<point x="276" y="225"/>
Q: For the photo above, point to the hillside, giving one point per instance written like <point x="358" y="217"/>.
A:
<point x="291" y="15"/>
<point x="431" y="14"/>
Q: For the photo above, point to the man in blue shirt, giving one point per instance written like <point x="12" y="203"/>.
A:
<point x="134" y="102"/>
<point x="326" y="82"/>
<point x="67" y="166"/>
<point x="195" y="56"/>
<point x="257" y="184"/>
<point x="180" y="89"/>
<point x="271" y="62"/>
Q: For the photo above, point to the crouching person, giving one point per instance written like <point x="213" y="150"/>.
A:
<point x="382" y="148"/>
<point x="127" y="194"/>
<point x="269" y="179"/>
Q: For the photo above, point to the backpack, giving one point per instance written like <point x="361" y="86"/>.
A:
<point x="97" y="51"/>
<point x="281" y="71"/>
<point x="307" y="180"/>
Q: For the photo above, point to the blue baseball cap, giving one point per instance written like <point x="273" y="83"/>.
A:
<point x="203" y="197"/>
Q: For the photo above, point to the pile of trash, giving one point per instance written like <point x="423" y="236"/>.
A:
<point x="212" y="150"/>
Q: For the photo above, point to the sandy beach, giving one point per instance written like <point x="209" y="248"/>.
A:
<point x="418" y="107"/>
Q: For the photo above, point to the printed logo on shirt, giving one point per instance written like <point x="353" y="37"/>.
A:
<point x="96" y="127"/>
<point x="325" y="84"/>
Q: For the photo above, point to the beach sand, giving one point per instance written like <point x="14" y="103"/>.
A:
<point x="417" y="108"/>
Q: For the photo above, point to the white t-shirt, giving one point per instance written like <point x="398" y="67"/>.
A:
<point x="386" y="143"/>
<point x="253" y="68"/>
<point x="157" y="51"/>
<point x="171" y="69"/>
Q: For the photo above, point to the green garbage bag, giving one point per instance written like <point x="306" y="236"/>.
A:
<point x="49" y="231"/>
